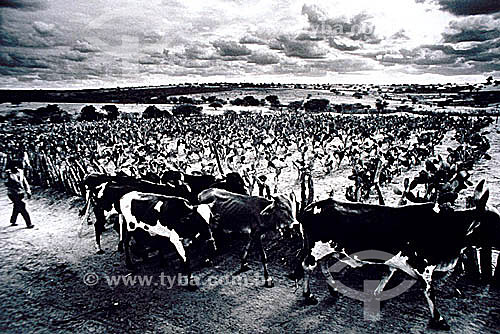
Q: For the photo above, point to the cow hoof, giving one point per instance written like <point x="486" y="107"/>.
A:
<point x="244" y="268"/>
<point x="310" y="299"/>
<point x="333" y="292"/>
<point x="100" y="252"/>
<point x="269" y="283"/>
<point x="439" y="324"/>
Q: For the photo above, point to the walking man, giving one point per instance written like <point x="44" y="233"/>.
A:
<point x="17" y="186"/>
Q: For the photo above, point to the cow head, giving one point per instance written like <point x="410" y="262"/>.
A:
<point x="485" y="228"/>
<point x="283" y="212"/>
<point x="235" y="183"/>
<point x="171" y="176"/>
<point x="184" y="190"/>
<point x="199" y="228"/>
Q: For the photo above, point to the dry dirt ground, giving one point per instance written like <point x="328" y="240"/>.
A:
<point x="43" y="290"/>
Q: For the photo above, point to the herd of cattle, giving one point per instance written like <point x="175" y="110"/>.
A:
<point x="191" y="212"/>
<point x="163" y="209"/>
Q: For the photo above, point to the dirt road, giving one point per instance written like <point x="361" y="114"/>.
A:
<point x="42" y="290"/>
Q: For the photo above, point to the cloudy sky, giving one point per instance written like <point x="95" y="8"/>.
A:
<point x="90" y="43"/>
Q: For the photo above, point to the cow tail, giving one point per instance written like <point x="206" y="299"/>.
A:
<point x="85" y="216"/>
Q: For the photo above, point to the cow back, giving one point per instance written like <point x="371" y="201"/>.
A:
<point x="234" y="211"/>
<point x="357" y="226"/>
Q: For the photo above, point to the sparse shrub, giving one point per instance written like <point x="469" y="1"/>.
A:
<point x="187" y="110"/>
<point x="155" y="112"/>
<point x="317" y="105"/>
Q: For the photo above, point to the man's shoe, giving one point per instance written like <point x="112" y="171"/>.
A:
<point x="13" y="224"/>
<point x="30" y="226"/>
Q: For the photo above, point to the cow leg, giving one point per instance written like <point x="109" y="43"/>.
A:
<point x="471" y="263"/>
<point x="269" y="280"/>
<point x="384" y="281"/>
<point x="437" y="321"/>
<point x="486" y="264"/>
<point x="192" y="284"/>
<point x="329" y="278"/>
<point x="120" y="227"/>
<point x="309" y="265"/>
<point x="100" y="221"/>
<point x="496" y="278"/>
<point x="126" y="246"/>
<point x="244" y="255"/>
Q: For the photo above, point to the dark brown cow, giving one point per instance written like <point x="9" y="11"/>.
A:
<point x="422" y="240"/>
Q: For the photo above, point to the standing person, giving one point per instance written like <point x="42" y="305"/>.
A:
<point x="17" y="186"/>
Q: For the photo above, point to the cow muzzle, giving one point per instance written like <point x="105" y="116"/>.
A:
<point x="187" y="242"/>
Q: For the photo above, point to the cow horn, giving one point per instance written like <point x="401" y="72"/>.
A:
<point x="479" y="190"/>
<point x="481" y="203"/>
<point x="267" y="209"/>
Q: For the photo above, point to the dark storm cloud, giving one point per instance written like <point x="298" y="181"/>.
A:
<point x="448" y="60"/>
<point x="30" y="5"/>
<point x="21" y="61"/>
<point x="261" y="58"/>
<point x="300" y="49"/>
<point x="200" y="52"/>
<point x="484" y="48"/>
<point x="74" y="56"/>
<point x="470" y="7"/>
<point x="249" y="39"/>
<point x="473" y="29"/>
<point x="7" y="39"/>
<point x="471" y="36"/>
<point x="308" y="37"/>
<point x="231" y="48"/>
<point x="28" y="40"/>
<point x="36" y="35"/>
<point x="356" y="28"/>
<point x="342" y="45"/>
<point x="85" y="47"/>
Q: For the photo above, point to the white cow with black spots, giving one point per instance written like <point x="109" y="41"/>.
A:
<point x="151" y="217"/>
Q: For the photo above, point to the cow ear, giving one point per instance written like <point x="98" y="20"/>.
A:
<point x="293" y="199"/>
<point x="479" y="190"/>
<point x="294" y="204"/>
<point x="397" y="191"/>
<point x="267" y="210"/>
<point x="481" y="204"/>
